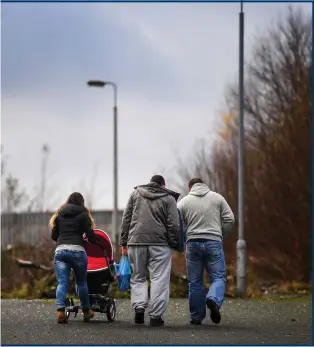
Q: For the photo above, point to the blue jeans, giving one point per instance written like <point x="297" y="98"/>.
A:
<point x="64" y="261"/>
<point x="208" y="255"/>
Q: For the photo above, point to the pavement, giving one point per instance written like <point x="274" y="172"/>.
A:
<point x="243" y="322"/>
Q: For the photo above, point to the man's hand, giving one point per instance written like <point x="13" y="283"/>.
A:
<point x="124" y="250"/>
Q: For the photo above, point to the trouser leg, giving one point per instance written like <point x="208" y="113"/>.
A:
<point x="139" y="288"/>
<point x="195" y="271"/>
<point x="159" y="265"/>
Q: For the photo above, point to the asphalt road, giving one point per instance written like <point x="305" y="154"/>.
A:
<point x="243" y="322"/>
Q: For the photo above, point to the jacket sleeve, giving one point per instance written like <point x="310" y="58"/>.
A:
<point x="55" y="231"/>
<point x="89" y="232"/>
<point x="91" y="236"/>
<point x="126" y="221"/>
<point x="227" y="218"/>
<point x="180" y="206"/>
<point x="173" y="223"/>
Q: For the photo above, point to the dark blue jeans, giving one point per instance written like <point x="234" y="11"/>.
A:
<point x="208" y="255"/>
<point x="64" y="261"/>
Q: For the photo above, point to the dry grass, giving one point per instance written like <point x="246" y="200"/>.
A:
<point x="21" y="283"/>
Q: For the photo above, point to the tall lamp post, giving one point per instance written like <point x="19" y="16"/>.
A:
<point x="241" y="244"/>
<point x="101" y="84"/>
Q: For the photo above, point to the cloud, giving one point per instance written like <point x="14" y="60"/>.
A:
<point x="145" y="140"/>
<point x="171" y="63"/>
<point x="60" y="46"/>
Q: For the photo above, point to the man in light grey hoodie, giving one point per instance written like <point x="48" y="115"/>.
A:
<point x="208" y="219"/>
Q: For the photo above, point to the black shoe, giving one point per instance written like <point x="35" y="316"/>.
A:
<point x="215" y="315"/>
<point x="139" y="316"/>
<point x="195" y="322"/>
<point x="157" y="322"/>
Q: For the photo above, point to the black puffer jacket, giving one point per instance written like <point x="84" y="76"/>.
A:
<point x="151" y="217"/>
<point x="70" y="225"/>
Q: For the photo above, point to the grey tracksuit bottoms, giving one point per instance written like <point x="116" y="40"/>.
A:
<point x="154" y="261"/>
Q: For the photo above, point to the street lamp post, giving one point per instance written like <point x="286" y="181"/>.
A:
<point x="241" y="244"/>
<point x="101" y="84"/>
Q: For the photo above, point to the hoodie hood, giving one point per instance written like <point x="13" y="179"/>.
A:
<point x="199" y="189"/>
<point x="154" y="191"/>
<point x="71" y="210"/>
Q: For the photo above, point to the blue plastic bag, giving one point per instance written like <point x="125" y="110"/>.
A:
<point x="123" y="273"/>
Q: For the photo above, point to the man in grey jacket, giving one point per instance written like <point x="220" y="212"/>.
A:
<point x="150" y="228"/>
<point x="208" y="219"/>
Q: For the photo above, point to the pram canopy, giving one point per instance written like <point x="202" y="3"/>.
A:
<point x="95" y="254"/>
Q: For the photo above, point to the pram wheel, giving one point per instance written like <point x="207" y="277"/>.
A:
<point x="67" y="303"/>
<point x="111" y="310"/>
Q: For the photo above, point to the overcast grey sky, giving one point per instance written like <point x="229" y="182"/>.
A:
<point x="171" y="62"/>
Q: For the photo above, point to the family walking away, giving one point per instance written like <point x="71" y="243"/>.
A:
<point x="152" y="227"/>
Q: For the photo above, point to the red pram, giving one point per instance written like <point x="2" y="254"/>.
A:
<point x="100" y="275"/>
<point x="95" y="253"/>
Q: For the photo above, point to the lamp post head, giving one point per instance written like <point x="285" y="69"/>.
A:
<point x="96" y="83"/>
<point x="101" y="84"/>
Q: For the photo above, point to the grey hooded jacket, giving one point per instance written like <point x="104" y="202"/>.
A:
<point x="151" y="217"/>
<point x="205" y="214"/>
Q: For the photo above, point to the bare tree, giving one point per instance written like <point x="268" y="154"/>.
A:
<point x="46" y="195"/>
<point x="278" y="114"/>
<point x="13" y="197"/>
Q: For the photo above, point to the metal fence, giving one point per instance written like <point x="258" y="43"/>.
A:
<point x="32" y="228"/>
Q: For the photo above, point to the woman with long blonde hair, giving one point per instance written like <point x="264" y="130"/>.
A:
<point x="71" y="221"/>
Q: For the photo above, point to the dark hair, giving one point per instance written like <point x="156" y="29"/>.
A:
<point x="194" y="181"/>
<point x="158" y="179"/>
<point x="76" y="199"/>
